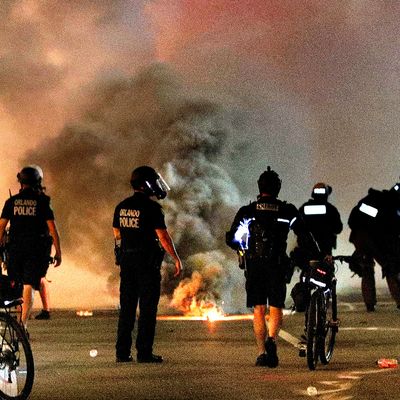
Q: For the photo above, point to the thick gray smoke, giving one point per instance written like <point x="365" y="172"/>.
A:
<point x="309" y="87"/>
<point x="148" y="119"/>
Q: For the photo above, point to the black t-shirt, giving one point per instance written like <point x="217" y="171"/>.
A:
<point x="138" y="217"/>
<point x="377" y="213"/>
<point x="322" y="219"/>
<point x="28" y="212"/>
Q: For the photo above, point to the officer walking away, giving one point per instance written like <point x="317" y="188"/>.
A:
<point x="32" y="233"/>
<point x="375" y="233"/>
<point x="259" y="231"/>
<point x="141" y="240"/>
<point x="322" y="220"/>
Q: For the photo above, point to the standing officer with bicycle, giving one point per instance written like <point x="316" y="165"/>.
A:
<point x="32" y="233"/>
<point x="322" y="220"/>
<point x="375" y="233"/>
<point x="268" y="221"/>
<point x="141" y="238"/>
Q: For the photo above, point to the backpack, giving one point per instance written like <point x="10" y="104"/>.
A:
<point x="261" y="239"/>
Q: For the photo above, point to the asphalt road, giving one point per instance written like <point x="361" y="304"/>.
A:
<point x="206" y="360"/>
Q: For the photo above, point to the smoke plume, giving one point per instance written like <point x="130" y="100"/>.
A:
<point x="150" y="119"/>
<point x="308" y="87"/>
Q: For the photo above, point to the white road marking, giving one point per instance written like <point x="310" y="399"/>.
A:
<point x="294" y="341"/>
<point x="341" y="386"/>
<point x="349" y="305"/>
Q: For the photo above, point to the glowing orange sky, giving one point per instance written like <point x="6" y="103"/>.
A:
<point x="316" y="83"/>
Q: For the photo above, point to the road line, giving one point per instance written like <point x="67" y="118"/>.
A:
<point x="349" y="305"/>
<point x="294" y="341"/>
<point x="341" y="386"/>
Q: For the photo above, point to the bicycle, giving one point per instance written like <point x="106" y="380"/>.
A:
<point x="16" y="359"/>
<point x="321" y="319"/>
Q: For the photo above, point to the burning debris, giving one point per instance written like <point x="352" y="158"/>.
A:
<point x="199" y="294"/>
<point x="84" y="313"/>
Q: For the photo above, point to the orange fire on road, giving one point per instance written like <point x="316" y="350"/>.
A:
<point x="204" y="311"/>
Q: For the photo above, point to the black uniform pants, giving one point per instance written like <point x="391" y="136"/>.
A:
<point x="139" y="287"/>
<point x="388" y="257"/>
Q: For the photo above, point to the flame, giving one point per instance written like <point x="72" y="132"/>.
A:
<point x="205" y="310"/>
<point x="84" y="313"/>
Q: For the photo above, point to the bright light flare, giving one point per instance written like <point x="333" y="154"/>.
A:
<point x="221" y="317"/>
<point x="214" y="314"/>
<point x="84" y="313"/>
<point x="242" y="233"/>
<point x="206" y="310"/>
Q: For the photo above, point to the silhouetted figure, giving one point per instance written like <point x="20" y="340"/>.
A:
<point x="375" y="229"/>
<point x="323" y="222"/>
<point x="141" y="236"/>
<point x="32" y="233"/>
<point x="260" y="231"/>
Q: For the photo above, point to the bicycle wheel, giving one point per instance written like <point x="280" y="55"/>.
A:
<point x="16" y="360"/>
<point x="313" y="342"/>
<point x="330" y="326"/>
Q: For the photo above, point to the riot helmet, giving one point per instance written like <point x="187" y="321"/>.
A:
<point x="147" y="180"/>
<point x="269" y="182"/>
<point x="321" y="191"/>
<point x="31" y="175"/>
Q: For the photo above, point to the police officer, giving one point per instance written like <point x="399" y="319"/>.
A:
<point x="142" y="237"/>
<point x="375" y="230"/>
<point x="32" y="233"/>
<point x="268" y="220"/>
<point x="322" y="219"/>
<point x="323" y="222"/>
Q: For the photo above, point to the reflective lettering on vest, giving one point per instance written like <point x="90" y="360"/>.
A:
<point x="267" y="207"/>
<point x="128" y="222"/>
<point x="25" y="202"/>
<point x="25" y="207"/>
<point x="129" y="218"/>
<point x="124" y="212"/>
<point x="29" y="211"/>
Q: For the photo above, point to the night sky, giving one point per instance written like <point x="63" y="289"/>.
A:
<point x="210" y="93"/>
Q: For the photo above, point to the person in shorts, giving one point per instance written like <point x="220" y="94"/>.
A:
<point x="260" y="231"/>
<point x="32" y="233"/>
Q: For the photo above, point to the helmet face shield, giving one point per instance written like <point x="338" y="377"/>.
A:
<point x="38" y="169"/>
<point x="158" y="187"/>
<point x="147" y="180"/>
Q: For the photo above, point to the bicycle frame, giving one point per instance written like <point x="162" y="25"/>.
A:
<point x="321" y="320"/>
